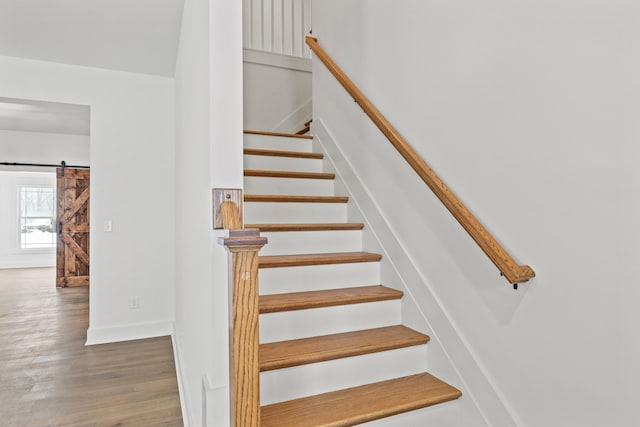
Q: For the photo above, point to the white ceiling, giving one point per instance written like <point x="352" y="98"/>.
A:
<point x="140" y="36"/>
<point x="39" y="116"/>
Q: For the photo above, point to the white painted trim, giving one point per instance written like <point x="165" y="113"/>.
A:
<point x="14" y="267"/>
<point x="182" y="390"/>
<point x="276" y="60"/>
<point x="215" y="405"/>
<point x="296" y="120"/>
<point x="136" y="331"/>
<point x="477" y="385"/>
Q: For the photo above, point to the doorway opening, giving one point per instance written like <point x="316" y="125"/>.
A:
<point x="36" y="137"/>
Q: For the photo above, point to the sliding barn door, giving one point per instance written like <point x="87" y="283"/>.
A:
<point x="72" y="262"/>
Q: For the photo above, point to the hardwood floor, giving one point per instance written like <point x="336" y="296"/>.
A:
<point x="48" y="377"/>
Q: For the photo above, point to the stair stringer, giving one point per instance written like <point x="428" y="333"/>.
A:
<point x="450" y="357"/>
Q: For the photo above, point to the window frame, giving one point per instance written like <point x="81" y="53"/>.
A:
<point x="20" y="218"/>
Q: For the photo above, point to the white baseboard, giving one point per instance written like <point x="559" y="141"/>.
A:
<point x="215" y="405"/>
<point x="23" y="266"/>
<point x="478" y="390"/>
<point x="276" y="60"/>
<point x="296" y="120"/>
<point x="128" y="332"/>
<point x="182" y="390"/>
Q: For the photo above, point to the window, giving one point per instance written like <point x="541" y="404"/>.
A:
<point x="37" y="217"/>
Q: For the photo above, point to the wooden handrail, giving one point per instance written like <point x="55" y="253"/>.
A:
<point x="514" y="272"/>
<point x="243" y="244"/>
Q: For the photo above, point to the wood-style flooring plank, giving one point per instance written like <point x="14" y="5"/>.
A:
<point x="282" y="153"/>
<point x="284" y="354"/>
<point x="275" y="303"/>
<point x="283" y="198"/>
<point x="274" y="261"/>
<point x="50" y="378"/>
<point x="339" y="226"/>
<point x="285" y="135"/>
<point x="288" y="174"/>
<point x="360" y="404"/>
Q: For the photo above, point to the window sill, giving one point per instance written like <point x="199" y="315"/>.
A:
<point x="35" y="251"/>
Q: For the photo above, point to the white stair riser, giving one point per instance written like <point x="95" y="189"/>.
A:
<point x="310" y="242"/>
<point x="277" y="143"/>
<point x="318" y="277"/>
<point x="292" y="325"/>
<point x="264" y="213"/>
<point x="275" y="163"/>
<point x="442" y="415"/>
<point x="315" y="378"/>
<point x="291" y="186"/>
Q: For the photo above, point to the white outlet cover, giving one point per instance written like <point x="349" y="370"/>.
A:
<point x="134" y="302"/>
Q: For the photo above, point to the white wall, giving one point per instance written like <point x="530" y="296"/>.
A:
<point x="276" y="97"/>
<point x="131" y="184"/>
<point x="40" y="147"/>
<point x="194" y="276"/>
<point x="11" y="256"/>
<point x="528" y="111"/>
<point x="277" y="26"/>
<point x="208" y="154"/>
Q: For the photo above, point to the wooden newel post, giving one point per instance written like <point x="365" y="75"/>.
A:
<point x="243" y="339"/>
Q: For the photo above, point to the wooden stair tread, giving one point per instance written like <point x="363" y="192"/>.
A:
<point x="360" y="404"/>
<point x="327" y="298"/>
<point x="284" y="198"/>
<point x="307" y="227"/>
<point x="288" y="174"/>
<point x="268" y="133"/>
<point x="306" y="128"/>
<point x="282" y="153"/>
<point x="272" y="261"/>
<point x="284" y="354"/>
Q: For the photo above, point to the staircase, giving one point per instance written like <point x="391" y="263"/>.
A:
<point x="333" y="351"/>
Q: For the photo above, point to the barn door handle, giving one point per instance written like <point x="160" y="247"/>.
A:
<point x="60" y="229"/>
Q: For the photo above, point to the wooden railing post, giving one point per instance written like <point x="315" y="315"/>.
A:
<point x="243" y="331"/>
